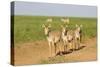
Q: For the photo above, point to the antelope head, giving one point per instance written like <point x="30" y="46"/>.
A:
<point x="78" y="27"/>
<point x="64" y="29"/>
<point x="46" y="29"/>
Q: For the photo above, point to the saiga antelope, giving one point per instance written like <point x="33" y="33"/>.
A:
<point x="52" y="37"/>
<point x="68" y="38"/>
<point x="78" y="35"/>
<point x="49" y="20"/>
<point x="65" y="20"/>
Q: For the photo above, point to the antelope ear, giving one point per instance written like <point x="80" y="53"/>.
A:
<point x="81" y="25"/>
<point x="43" y="25"/>
<point x="76" y="25"/>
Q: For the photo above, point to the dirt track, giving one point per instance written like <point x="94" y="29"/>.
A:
<point x="34" y="52"/>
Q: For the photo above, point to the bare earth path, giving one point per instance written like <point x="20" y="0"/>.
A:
<point x="34" y="52"/>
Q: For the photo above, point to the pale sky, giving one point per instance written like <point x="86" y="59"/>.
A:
<point x="50" y="9"/>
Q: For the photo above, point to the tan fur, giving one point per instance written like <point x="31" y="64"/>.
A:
<point x="78" y="34"/>
<point x="53" y="38"/>
<point x="49" y="20"/>
<point x="68" y="38"/>
<point x="65" y="20"/>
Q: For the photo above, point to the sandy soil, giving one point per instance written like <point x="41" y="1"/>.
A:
<point x="34" y="52"/>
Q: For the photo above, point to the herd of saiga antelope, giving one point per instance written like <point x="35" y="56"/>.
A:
<point x="71" y="38"/>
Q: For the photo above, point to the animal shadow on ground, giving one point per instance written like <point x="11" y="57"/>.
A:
<point x="63" y="53"/>
<point x="70" y="51"/>
<point x="79" y="48"/>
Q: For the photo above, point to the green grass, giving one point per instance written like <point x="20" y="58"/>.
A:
<point x="29" y="28"/>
